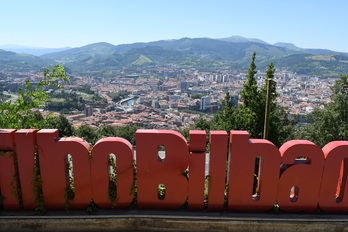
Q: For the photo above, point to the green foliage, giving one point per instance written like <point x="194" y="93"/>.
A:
<point x="85" y="89"/>
<point x="92" y="136"/>
<point x="249" y="93"/>
<point x="68" y="101"/>
<point x="107" y="131"/>
<point x="75" y="99"/>
<point x="253" y="107"/>
<point x="91" y="208"/>
<point x="61" y="123"/>
<point x="250" y="115"/>
<point x="23" y="112"/>
<point x="118" y="96"/>
<point x="127" y="132"/>
<point x="274" y="119"/>
<point x="328" y="65"/>
<point x="185" y="132"/>
<point x="196" y="96"/>
<point x="202" y="124"/>
<point x="225" y="118"/>
<point x="142" y="60"/>
<point x="54" y="76"/>
<point x="87" y="133"/>
<point x="161" y="191"/>
<point x="98" y="99"/>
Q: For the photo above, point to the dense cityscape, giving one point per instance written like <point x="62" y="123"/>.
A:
<point x="169" y="97"/>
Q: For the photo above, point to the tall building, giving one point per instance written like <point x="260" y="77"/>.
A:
<point x="155" y="104"/>
<point x="88" y="110"/>
<point x="205" y="103"/>
<point x="184" y="86"/>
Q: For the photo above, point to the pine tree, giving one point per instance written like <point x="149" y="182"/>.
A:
<point x="249" y="113"/>
<point x="87" y="133"/>
<point x="274" y="126"/>
<point x="224" y="119"/>
<point x="61" y="123"/>
<point x="249" y="93"/>
<point x="340" y="98"/>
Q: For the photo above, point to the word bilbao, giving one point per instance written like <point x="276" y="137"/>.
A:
<point x="317" y="179"/>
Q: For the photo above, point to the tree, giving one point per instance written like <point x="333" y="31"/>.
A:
<point x="87" y="133"/>
<point x="224" y="119"/>
<point x="61" y="123"/>
<point x="250" y="114"/>
<point x="273" y="125"/>
<point x="280" y="127"/>
<point x="250" y="91"/>
<point x="23" y="112"/>
<point x="107" y="131"/>
<point x="245" y="116"/>
<point x="127" y="132"/>
<point x="340" y="99"/>
<point x="202" y="124"/>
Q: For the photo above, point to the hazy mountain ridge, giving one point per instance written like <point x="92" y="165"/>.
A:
<point x="31" y="50"/>
<point x="202" y="53"/>
<point x="290" y="46"/>
<point x="240" y="39"/>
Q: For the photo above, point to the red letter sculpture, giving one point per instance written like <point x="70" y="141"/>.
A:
<point x="8" y="177"/>
<point x="26" y="139"/>
<point x="217" y="170"/>
<point x="123" y="152"/>
<point x="154" y="172"/>
<point x="243" y="154"/>
<point x="299" y="184"/>
<point x="53" y="165"/>
<point x="197" y="147"/>
<point x="334" y="188"/>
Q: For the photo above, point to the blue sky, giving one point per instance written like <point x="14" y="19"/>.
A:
<point x="75" y="23"/>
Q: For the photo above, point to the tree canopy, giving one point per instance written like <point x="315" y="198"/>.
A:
<point x="250" y="115"/>
<point x="24" y="112"/>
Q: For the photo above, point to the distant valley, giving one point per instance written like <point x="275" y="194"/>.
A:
<point x="203" y="54"/>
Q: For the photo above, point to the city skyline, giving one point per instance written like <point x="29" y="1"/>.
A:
<point x="57" y="24"/>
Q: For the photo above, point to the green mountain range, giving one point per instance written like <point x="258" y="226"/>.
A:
<point x="202" y="53"/>
<point x="14" y="62"/>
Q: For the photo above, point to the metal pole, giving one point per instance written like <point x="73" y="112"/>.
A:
<point x="267" y="110"/>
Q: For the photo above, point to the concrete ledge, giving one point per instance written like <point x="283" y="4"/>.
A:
<point x="170" y="221"/>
